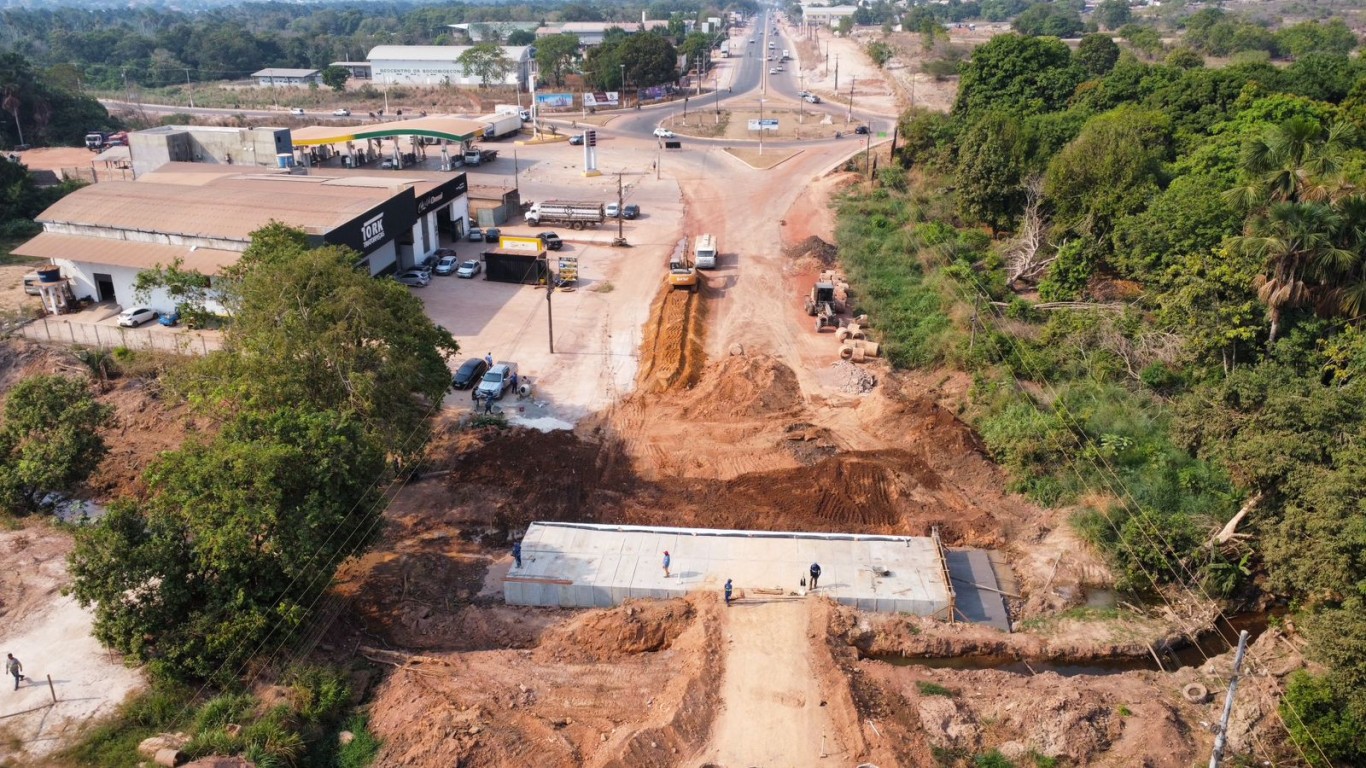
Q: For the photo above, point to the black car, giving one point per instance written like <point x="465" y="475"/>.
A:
<point x="551" y="241"/>
<point x="630" y="212"/>
<point x="491" y="235"/>
<point x="862" y="130"/>
<point x="469" y="373"/>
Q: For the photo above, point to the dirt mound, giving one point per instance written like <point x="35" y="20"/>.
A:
<point x="671" y="356"/>
<point x="742" y="386"/>
<point x="812" y="252"/>
<point x="638" y="626"/>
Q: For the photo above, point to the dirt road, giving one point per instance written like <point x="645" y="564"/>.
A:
<point x="772" y="711"/>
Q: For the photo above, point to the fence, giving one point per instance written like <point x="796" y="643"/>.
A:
<point x="94" y="176"/>
<point x="183" y="342"/>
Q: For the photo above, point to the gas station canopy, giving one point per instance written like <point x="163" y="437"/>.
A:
<point x="455" y="129"/>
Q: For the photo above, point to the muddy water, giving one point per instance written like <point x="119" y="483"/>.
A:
<point x="1208" y="645"/>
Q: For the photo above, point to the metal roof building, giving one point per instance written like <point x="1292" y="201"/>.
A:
<point x="440" y="65"/>
<point x="583" y="566"/>
<point x="278" y="76"/>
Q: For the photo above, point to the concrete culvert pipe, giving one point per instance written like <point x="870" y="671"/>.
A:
<point x="869" y="348"/>
<point x="858" y="335"/>
<point x="846" y="352"/>
<point x="859" y="356"/>
<point x="842" y="334"/>
<point x="524" y="390"/>
<point x="1195" y="693"/>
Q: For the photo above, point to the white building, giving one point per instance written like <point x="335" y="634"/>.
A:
<point x="829" y="16"/>
<point x="440" y="65"/>
<point x="593" y="32"/>
<point x="275" y="77"/>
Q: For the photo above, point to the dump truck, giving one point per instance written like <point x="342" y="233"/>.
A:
<point x="499" y="125"/>
<point x="477" y="156"/>
<point x="566" y="213"/>
<point x="821" y="305"/>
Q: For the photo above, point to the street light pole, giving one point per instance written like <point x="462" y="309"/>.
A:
<point x="761" y="127"/>
<point x="850" y="116"/>
<point x="622" y="67"/>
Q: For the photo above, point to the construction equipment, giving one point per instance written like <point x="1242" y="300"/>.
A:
<point x="682" y="273"/>
<point x="98" y="141"/>
<point x="822" y="306"/>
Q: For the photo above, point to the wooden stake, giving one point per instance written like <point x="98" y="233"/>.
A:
<point x="51" y="689"/>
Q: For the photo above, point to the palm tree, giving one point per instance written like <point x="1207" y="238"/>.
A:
<point x="1297" y="245"/>
<point x="1298" y="160"/>
<point x="11" y="105"/>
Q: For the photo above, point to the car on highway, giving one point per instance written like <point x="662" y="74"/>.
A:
<point x="414" y="278"/>
<point x="132" y="318"/>
<point x="550" y="240"/>
<point x="341" y="112"/>
<point x="469" y="269"/>
<point x="773" y="70"/>
<point x="811" y="98"/>
<point x="476" y="235"/>
<point x="630" y="212"/>
<point x="663" y="133"/>
<point x="492" y="234"/>
<point x="862" y="130"/>
<point x="612" y="210"/>
<point x="296" y="111"/>
<point x="469" y="373"/>
<point x="576" y="139"/>
<point x="447" y="264"/>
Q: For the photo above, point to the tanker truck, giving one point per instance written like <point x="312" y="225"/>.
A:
<point x="566" y="213"/>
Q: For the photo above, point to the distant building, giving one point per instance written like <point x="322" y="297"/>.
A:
<point x="275" y="77"/>
<point x="593" y="32"/>
<point x="479" y="31"/>
<point x="152" y="148"/>
<point x="360" y="70"/>
<point x="440" y="65"/>
<point x="827" y="16"/>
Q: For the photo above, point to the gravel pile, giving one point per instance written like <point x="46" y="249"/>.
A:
<point x="852" y="379"/>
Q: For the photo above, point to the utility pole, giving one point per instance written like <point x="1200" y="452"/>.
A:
<point x="837" y="70"/>
<point x="189" y="87"/>
<point x="761" y="127"/>
<point x="549" y="315"/>
<point x="867" y="150"/>
<point x="850" y="116"/>
<point x="1220" y="739"/>
<point x="621" y="200"/>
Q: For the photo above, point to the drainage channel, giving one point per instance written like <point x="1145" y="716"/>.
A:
<point x="1208" y="645"/>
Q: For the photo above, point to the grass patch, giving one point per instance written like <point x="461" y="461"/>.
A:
<point x="1079" y="613"/>
<point x="992" y="759"/>
<point x="1124" y="711"/>
<point x="928" y="688"/>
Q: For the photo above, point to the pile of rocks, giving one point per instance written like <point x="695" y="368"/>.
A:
<point x="851" y="379"/>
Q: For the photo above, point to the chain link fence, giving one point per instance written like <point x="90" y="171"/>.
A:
<point x="176" y="340"/>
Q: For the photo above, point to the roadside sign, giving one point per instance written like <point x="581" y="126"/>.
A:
<point x="767" y="124"/>
<point x="514" y="243"/>
<point x="569" y="269"/>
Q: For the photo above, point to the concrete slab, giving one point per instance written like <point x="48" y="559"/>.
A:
<point x="582" y="565"/>
<point x="973" y="582"/>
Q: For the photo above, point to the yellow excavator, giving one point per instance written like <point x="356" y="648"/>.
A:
<point x="682" y="272"/>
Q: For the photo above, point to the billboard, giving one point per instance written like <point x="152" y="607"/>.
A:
<point x="653" y="93"/>
<point x="767" y="124"/>
<point x="555" y="100"/>
<point x="600" y="99"/>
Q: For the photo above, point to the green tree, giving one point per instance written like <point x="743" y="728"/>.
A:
<point x="189" y="289"/>
<point x="519" y="37"/>
<point x="1309" y="37"/>
<point x="1097" y="54"/>
<point x="233" y="544"/>
<point x="50" y="439"/>
<point x="650" y="60"/>
<point x="487" y="62"/>
<point x="879" y="52"/>
<point x="990" y="171"/>
<point x="555" y="56"/>
<point x="1113" y="14"/>
<point x="308" y="328"/>
<point x="1048" y="18"/>
<point x="1295" y="243"/>
<point x="1017" y="73"/>
<point x="695" y="47"/>
<point x="336" y="77"/>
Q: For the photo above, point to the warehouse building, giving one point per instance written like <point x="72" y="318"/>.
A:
<point x="827" y="16"/>
<point x="276" y="77"/>
<point x="593" y="32"/>
<point x="440" y="65"/>
<point x="103" y="235"/>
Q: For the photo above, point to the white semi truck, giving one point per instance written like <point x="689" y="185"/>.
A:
<point x="499" y="125"/>
<point x="566" y="213"/>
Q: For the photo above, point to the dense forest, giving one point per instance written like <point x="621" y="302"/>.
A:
<point x="1156" y="275"/>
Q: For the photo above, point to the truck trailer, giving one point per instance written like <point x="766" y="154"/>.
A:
<point x="513" y="109"/>
<point x="566" y="213"/>
<point x="477" y="156"/>
<point x="499" y="125"/>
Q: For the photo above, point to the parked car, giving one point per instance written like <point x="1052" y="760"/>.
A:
<point x="469" y="373"/>
<point x="862" y="130"/>
<point x="132" y="318"/>
<point x="416" y="278"/>
<point x="612" y="210"/>
<point x="492" y="234"/>
<point x="170" y="319"/>
<point x="496" y="382"/>
<point x="476" y="235"/>
<point x="341" y="112"/>
<point x="447" y="265"/>
<point x="297" y="111"/>
<point x="469" y="269"/>
<point x="663" y="133"/>
<point x="576" y="139"/>
<point x="630" y="212"/>
<point x="551" y="241"/>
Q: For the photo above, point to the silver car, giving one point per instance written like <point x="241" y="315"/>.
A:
<point x="468" y="269"/>
<point x="415" y="278"/>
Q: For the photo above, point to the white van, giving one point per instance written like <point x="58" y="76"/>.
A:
<point x="704" y="254"/>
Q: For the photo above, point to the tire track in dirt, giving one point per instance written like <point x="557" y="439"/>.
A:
<point x="673" y="357"/>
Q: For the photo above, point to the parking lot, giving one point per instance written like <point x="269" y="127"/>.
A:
<point x="597" y="324"/>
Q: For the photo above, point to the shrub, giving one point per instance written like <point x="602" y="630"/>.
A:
<point x="928" y="688"/>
